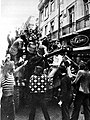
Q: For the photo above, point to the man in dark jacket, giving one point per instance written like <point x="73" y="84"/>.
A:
<point x="65" y="93"/>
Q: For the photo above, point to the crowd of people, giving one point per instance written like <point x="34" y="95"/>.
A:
<point x="42" y="73"/>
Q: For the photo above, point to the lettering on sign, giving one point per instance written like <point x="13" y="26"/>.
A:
<point x="79" y="40"/>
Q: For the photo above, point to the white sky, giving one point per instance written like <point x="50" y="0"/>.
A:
<point x="13" y="14"/>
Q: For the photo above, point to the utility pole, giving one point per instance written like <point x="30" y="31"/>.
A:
<point x="58" y="19"/>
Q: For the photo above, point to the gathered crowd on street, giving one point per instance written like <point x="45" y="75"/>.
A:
<point x="45" y="73"/>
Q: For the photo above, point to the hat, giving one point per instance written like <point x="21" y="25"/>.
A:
<point x="38" y="70"/>
<point x="63" y="69"/>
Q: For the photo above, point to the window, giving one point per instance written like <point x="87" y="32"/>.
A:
<point x="87" y="4"/>
<point x="71" y="15"/>
<point x="46" y="30"/>
<point x="86" y="9"/>
<point x="61" y="19"/>
<point x="86" y="1"/>
<point x="41" y="30"/>
<point x="52" y="26"/>
<point x="46" y="11"/>
<point x="52" y="7"/>
<point x="41" y="15"/>
<point x="64" y="13"/>
<point x="59" y="1"/>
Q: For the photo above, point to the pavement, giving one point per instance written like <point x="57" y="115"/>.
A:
<point x="54" y="111"/>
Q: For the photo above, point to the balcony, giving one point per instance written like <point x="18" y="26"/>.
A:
<point x="80" y="24"/>
<point x="83" y="22"/>
<point x="68" y="28"/>
<point x="42" y="3"/>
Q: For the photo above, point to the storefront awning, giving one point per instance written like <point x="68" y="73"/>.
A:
<point x="81" y="48"/>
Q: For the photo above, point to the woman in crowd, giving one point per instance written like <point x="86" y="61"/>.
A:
<point x="7" y="84"/>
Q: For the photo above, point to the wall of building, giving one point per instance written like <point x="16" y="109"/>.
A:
<point x="80" y="9"/>
<point x="51" y="16"/>
<point x="65" y="5"/>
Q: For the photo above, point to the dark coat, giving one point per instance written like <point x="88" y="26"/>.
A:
<point x="66" y="88"/>
<point x="29" y="68"/>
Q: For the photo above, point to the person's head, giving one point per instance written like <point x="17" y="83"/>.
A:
<point x="23" y="37"/>
<point x="17" y="45"/>
<point x="8" y="57"/>
<point x="38" y="70"/>
<point x="88" y="65"/>
<point x="63" y="70"/>
<point x="8" y="66"/>
<point x="64" y="58"/>
<point x="77" y="59"/>
<point x="82" y="66"/>
<point x="40" y="51"/>
<point x="55" y="46"/>
<point x="67" y="64"/>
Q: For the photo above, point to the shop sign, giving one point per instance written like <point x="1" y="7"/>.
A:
<point x="79" y="40"/>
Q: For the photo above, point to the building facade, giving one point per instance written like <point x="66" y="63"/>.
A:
<point x="48" y="17"/>
<point x="74" y="19"/>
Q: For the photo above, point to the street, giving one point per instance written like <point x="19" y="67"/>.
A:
<point x="53" y="109"/>
<point x="45" y="54"/>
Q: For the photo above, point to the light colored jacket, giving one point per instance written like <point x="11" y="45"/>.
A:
<point x="84" y="77"/>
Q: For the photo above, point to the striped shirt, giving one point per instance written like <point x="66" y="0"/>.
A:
<point x="7" y="84"/>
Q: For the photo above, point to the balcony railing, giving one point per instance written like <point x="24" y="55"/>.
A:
<point x="80" y="24"/>
<point x="68" y="28"/>
<point x="83" y="22"/>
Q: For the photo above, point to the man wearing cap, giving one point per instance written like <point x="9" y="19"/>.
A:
<point x="38" y="87"/>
